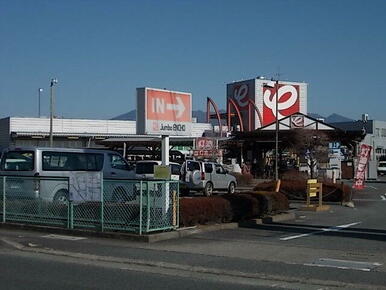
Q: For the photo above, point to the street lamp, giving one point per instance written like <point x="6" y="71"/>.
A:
<point x="40" y="90"/>
<point x="54" y="81"/>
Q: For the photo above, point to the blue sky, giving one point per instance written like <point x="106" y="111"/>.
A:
<point x="102" y="50"/>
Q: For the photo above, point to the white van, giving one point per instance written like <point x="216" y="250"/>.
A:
<point x="29" y="162"/>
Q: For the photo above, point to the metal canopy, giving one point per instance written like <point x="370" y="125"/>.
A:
<point x="147" y="140"/>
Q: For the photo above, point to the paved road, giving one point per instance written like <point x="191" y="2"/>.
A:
<point x="344" y="247"/>
<point x="21" y="271"/>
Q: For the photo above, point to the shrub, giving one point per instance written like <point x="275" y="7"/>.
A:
<point x="230" y="207"/>
<point x="244" y="206"/>
<point x="296" y="189"/>
<point x="270" y="201"/>
<point x="243" y="179"/>
<point x="203" y="210"/>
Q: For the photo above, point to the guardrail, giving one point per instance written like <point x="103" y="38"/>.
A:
<point x="118" y="205"/>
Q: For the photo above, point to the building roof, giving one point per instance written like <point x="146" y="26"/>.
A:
<point x="40" y="127"/>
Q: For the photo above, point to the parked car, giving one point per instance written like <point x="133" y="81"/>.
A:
<point x="38" y="172"/>
<point x="206" y="177"/>
<point x="381" y="168"/>
<point x="145" y="169"/>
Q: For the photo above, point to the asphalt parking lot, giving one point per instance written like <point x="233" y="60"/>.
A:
<point x="341" y="247"/>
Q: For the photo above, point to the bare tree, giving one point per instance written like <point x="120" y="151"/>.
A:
<point x="312" y="145"/>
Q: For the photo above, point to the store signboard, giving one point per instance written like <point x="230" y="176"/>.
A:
<point x="260" y="94"/>
<point x="297" y="122"/>
<point x="208" y="153"/>
<point x="164" y="112"/>
<point x="360" y="174"/>
<point x="162" y="172"/>
<point x="288" y="102"/>
<point x="204" y="143"/>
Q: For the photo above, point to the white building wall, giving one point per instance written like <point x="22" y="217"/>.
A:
<point x="72" y="126"/>
<point x="377" y="139"/>
<point x="80" y="126"/>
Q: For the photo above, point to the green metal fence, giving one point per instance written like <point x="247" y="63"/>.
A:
<point x="122" y="205"/>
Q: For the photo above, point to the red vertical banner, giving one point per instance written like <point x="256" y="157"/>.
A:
<point x="364" y="157"/>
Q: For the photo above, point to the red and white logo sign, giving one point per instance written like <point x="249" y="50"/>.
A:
<point x="297" y="121"/>
<point x="362" y="166"/>
<point x="203" y="143"/>
<point x="241" y="96"/>
<point x="288" y="102"/>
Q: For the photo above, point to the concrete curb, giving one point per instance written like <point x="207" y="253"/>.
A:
<point x="269" y="219"/>
<point x="150" y="238"/>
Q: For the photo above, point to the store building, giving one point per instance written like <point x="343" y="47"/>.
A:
<point x="74" y="133"/>
<point x="374" y="134"/>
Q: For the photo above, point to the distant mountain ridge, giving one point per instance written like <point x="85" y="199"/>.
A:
<point x="333" y="118"/>
<point x="201" y="117"/>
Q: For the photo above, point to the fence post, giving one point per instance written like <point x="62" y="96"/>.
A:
<point x="4" y="180"/>
<point x="148" y="207"/>
<point x="140" y="208"/>
<point x="70" y="223"/>
<point x="178" y="204"/>
<point x="102" y="205"/>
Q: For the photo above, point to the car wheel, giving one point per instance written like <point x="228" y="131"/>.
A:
<point x="208" y="190"/>
<point x="61" y="196"/>
<point x="232" y="188"/>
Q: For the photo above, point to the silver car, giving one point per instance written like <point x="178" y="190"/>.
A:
<point x="206" y="177"/>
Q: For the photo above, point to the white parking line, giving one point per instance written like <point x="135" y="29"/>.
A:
<point x="344" y="264"/>
<point x="383" y="197"/>
<point x="62" y="237"/>
<point x="373" y="187"/>
<point x="331" y="229"/>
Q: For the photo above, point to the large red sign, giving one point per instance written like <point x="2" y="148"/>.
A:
<point x="164" y="112"/>
<point x="168" y="106"/>
<point x="362" y="166"/>
<point x="288" y="102"/>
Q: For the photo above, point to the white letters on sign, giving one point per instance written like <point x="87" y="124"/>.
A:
<point x="241" y="95"/>
<point x="159" y="106"/>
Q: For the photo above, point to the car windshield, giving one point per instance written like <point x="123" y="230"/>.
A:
<point x="145" y="167"/>
<point x="18" y="161"/>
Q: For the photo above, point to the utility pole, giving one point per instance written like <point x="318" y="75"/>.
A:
<point x="39" y="93"/>
<point x="54" y="81"/>
<point x="277" y="130"/>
